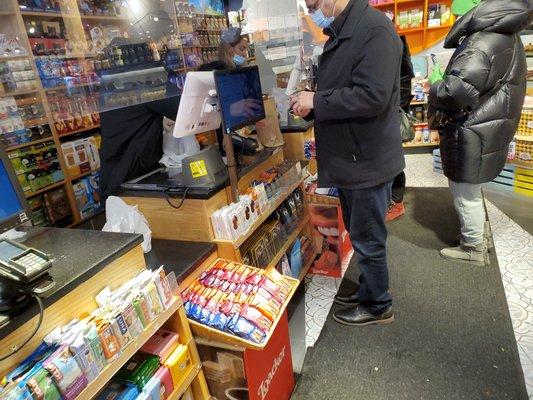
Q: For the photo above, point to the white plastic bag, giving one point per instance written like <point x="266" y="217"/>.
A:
<point x="121" y="217"/>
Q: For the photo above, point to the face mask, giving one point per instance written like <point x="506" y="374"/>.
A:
<point x="238" y="60"/>
<point x="320" y="19"/>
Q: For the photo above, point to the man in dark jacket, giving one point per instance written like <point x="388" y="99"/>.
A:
<point x="359" y="145"/>
<point x="483" y="93"/>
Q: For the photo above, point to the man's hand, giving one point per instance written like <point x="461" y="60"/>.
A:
<point x="302" y="103"/>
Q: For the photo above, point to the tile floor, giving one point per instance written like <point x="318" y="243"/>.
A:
<point x="514" y="248"/>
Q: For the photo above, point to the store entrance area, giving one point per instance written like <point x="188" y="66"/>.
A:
<point x="452" y="337"/>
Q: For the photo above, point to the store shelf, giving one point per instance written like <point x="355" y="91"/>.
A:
<point x="45" y="14"/>
<point x="12" y="57"/>
<point x="434" y="28"/>
<point x="18" y="93"/>
<point x="288" y="243"/>
<point x="107" y="374"/>
<point x="418" y="103"/>
<point x="264" y="216"/>
<point x="409" y="1"/>
<point x="6" y="13"/>
<point x="410" y="30"/>
<point x="528" y="138"/>
<point x="191" y="374"/>
<point x="409" y="145"/>
<point x="383" y="5"/>
<point x="522" y="164"/>
<point x="35" y="122"/>
<point x="90" y="85"/>
<point x="90" y="128"/>
<point x="45" y="189"/>
<point x="27" y="144"/>
<point x="82" y="175"/>
<point x="65" y="56"/>
<point x="421" y="124"/>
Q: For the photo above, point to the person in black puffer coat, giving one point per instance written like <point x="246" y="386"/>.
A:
<point x="484" y="113"/>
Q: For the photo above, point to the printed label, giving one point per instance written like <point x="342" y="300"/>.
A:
<point x="198" y="169"/>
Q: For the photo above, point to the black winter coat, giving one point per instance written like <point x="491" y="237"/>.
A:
<point x="474" y="147"/>
<point x="356" y="106"/>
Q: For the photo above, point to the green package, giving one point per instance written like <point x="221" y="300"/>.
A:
<point x="42" y="386"/>
<point x="139" y="370"/>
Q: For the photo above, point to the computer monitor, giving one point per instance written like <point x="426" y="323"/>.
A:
<point x="14" y="208"/>
<point x="197" y="111"/>
<point x="240" y="97"/>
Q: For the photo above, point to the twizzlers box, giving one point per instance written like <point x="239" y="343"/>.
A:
<point x="250" y="374"/>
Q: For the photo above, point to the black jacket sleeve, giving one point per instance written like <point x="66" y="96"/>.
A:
<point x="373" y="78"/>
<point x="465" y="80"/>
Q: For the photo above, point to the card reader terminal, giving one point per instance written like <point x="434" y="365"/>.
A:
<point x="20" y="263"/>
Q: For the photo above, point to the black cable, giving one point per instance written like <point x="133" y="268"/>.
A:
<point x="16" y="349"/>
<point x="168" y="196"/>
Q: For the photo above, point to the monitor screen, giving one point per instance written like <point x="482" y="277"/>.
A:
<point x="12" y="206"/>
<point x="240" y="97"/>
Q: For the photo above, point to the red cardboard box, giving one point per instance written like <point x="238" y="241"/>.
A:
<point x="234" y="374"/>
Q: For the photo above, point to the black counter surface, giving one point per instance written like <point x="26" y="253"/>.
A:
<point x="194" y="193"/>
<point x="77" y="254"/>
<point x="179" y="257"/>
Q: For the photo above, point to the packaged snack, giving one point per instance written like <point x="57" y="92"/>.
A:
<point x="119" y="391"/>
<point x="161" y="344"/>
<point x="66" y="373"/>
<point x="255" y="316"/>
<point x="84" y="356"/>
<point x="177" y="363"/>
<point x="167" y="387"/>
<point x="139" y="370"/>
<point x="243" y="328"/>
<point x="109" y="341"/>
<point x="41" y="384"/>
<point x="132" y="320"/>
<point x="91" y="339"/>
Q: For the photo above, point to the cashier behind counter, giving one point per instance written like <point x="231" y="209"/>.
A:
<point x="132" y="140"/>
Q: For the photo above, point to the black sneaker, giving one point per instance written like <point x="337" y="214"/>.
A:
<point x="359" y="316"/>
<point x="348" y="299"/>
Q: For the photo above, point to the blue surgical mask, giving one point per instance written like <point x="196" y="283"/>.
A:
<point x="320" y="19"/>
<point x="238" y="60"/>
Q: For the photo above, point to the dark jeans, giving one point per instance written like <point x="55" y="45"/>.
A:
<point x="398" y="187"/>
<point x="364" y="216"/>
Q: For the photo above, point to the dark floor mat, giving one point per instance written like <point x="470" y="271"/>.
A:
<point x="452" y="338"/>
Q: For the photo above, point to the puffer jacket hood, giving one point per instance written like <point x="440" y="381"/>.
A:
<point x="498" y="16"/>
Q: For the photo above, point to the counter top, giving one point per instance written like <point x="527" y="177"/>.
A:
<point x="179" y="257"/>
<point x="192" y="193"/>
<point x="77" y="255"/>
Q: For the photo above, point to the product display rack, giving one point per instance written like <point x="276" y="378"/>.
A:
<point x="423" y="36"/>
<point x="231" y="250"/>
<point x="15" y="19"/>
<point x="175" y="320"/>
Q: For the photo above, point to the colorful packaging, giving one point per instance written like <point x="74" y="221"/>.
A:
<point x="167" y="387"/>
<point x="161" y="344"/>
<point x="119" y="391"/>
<point x="66" y="373"/>
<point x="92" y="340"/>
<point x="132" y="320"/>
<point x="42" y="385"/>
<point x="177" y="363"/>
<point x="139" y="370"/>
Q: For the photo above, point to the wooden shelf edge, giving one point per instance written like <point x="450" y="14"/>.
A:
<point x="264" y="216"/>
<point x="45" y="189"/>
<point x="89" y="128"/>
<point x="27" y="144"/>
<point x="105" y="376"/>
<point x="191" y="376"/>
<point x="18" y="93"/>
<point x="411" y="145"/>
<point x="82" y="175"/>
<point x="288" y="243"/>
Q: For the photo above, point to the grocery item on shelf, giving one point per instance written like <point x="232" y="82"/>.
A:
<point x="81" y="156"/>
<point x="74" y="355"/>
<point x="438" y="15"/>
<point x="233" y="221"/>
<point x="238" y="299"/>
<point x="410" y="19"/>
<point x="10" y="46"/>
<point x="36" y="166"/>
<point x="87" y="195"/>
<point x="75" y="111"/>
<point x="57" y="207"/>
<point x="16" y="75"/>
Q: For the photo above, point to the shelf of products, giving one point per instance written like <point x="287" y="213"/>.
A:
<point x="434" y="144"/>
<point x="111" y="370"/>
<point x="45" y="189"/>
<point x="423" y="23"/>
<point x="289" y="242"/>
<point x="264" y="216"/>
<point x="22" y="145"/>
